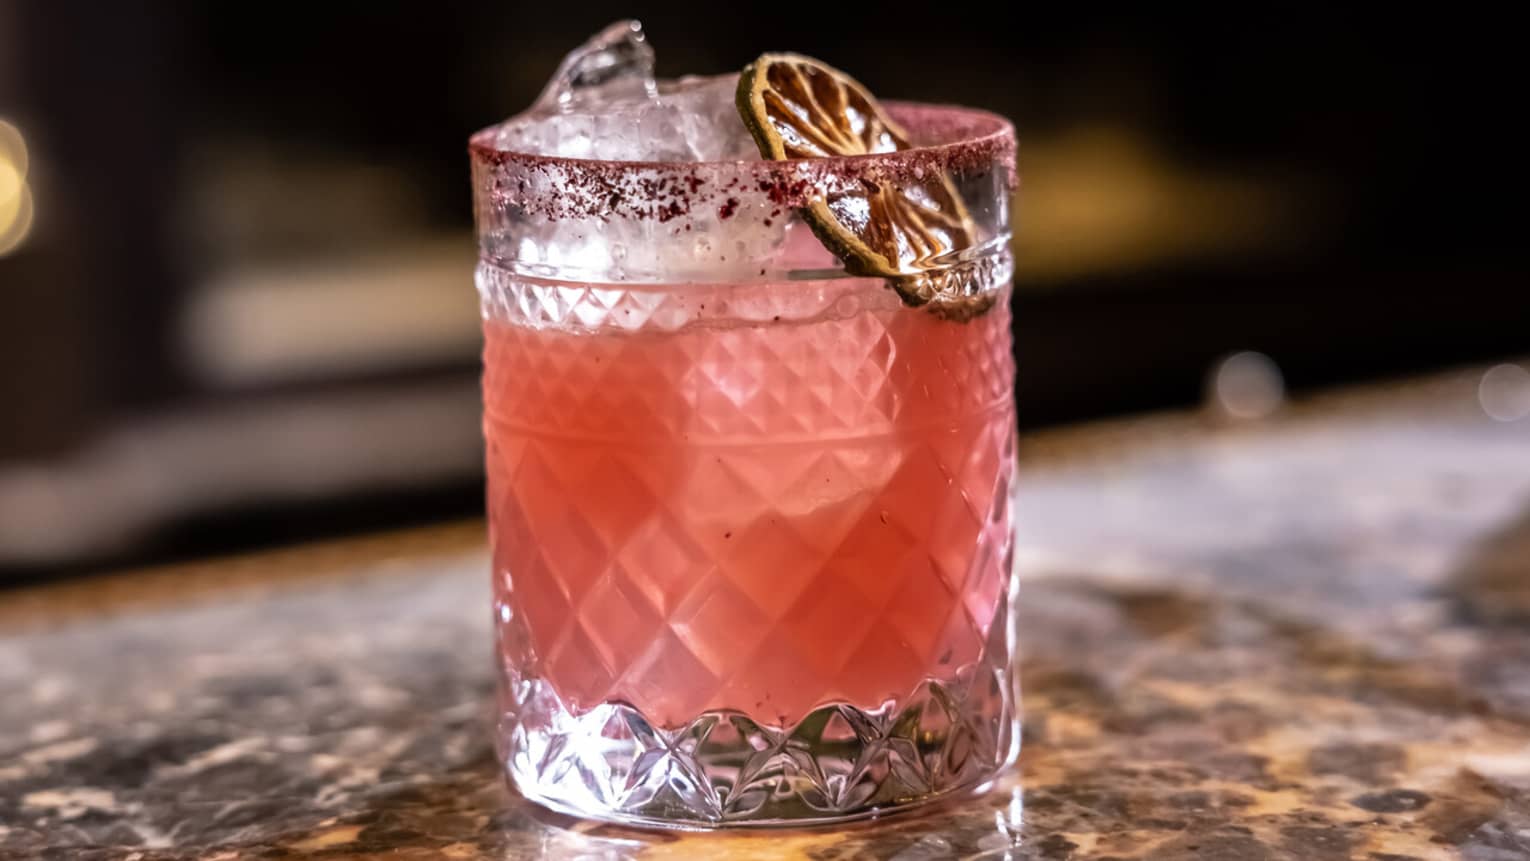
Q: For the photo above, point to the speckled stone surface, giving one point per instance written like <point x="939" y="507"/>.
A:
<point x="1302" y="639"/>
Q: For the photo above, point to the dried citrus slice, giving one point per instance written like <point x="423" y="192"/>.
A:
<point x="797" y="107"/>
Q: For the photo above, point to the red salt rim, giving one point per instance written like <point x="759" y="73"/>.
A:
<point x="954" y="139"/>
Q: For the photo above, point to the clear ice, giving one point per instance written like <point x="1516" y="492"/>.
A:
<point x="605" y="103"/>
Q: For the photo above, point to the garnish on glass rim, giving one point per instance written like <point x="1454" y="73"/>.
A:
<point x="798" y="107"/>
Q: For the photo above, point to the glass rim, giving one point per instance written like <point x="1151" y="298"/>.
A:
<point x="953" y="138"/>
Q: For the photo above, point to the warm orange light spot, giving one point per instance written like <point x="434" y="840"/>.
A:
<point x="15" y="195"/>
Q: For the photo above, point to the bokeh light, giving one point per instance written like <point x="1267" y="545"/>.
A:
<point x="1504" y="393"/>
<point x="15" y="194"/>
<point x="13" y="147"/>
<point x="15" y="221"/>
<point x="1246" y="385"/>
<point x="11" y="184"/>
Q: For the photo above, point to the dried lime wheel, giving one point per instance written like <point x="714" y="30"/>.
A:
<point x="797" y="107"/>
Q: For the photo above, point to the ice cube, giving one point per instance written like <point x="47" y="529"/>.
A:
<point x="594" y="104"/>
<point x="616" y="63"/>
<point x="709" y="121"/>
<point x="604" y="103"/>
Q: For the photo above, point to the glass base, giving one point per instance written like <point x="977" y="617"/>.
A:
<point x="723" y="769"/>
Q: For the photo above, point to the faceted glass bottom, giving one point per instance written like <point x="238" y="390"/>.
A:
<point x="724" y="769"/>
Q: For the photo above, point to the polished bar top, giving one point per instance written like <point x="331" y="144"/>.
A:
<point x="1303" y="638"/>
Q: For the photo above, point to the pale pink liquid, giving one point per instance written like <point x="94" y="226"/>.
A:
<point x="758" y="516"/>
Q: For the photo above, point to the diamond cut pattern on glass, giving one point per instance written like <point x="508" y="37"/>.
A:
<point x="746" y="572"/>
<point x="725" y="768"/>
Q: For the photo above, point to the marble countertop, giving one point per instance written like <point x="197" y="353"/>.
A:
<point x="1306" y="638"/>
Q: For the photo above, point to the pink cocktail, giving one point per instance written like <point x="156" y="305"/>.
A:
<point x="760" y="517"/>
<point x="749" y="514"/>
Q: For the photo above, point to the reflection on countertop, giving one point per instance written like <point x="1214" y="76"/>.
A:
<point x="1307" y="637"/>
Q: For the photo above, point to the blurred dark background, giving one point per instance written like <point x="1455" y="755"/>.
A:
<point x="236" y="303"/>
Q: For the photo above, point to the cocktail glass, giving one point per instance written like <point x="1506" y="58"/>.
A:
<point x="749" y="514"/>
